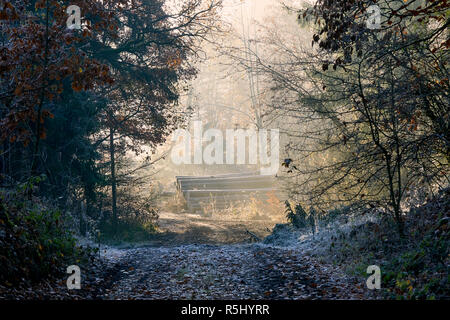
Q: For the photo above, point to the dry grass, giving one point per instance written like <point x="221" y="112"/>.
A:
<point x="270" y="209"/>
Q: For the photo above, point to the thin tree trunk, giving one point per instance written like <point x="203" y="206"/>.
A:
<point x="395" y="201"/>
<point x="41" y="101"/>
<point x="113" y="179"/>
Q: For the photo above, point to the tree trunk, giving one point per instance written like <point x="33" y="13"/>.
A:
<point x="82" y="221"/>
<point x="35" y="155"/>
<point x="399" y="221"/>
<point x="113" y="179"/>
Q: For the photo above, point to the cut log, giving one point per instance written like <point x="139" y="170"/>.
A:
<point x="223" y="190"/>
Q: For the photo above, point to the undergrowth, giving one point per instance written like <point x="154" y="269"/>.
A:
<point x="415" y="266"/>
<point x="131" y="228"/>
<point x="34" y="243"/>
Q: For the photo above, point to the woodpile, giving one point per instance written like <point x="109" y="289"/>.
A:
<point x="224" y="190"/>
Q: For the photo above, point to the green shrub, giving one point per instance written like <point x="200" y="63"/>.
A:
<point x="296" y="217"/>
<point x="335" y="214"/>
<point x="33" y="241"/>
<point x="134" y="228"/>
<point x="421" y="273"/>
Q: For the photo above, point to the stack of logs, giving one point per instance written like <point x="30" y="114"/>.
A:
<point x="224" y="190"/>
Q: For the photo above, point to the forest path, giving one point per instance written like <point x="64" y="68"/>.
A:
<point x="250" y="271"/>
<point x="189" y="228"/>
<point x="200" y="258"/>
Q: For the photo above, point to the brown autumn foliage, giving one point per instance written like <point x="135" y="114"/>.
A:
<point x="39" y="56"/>
<point x="341" y="22"/>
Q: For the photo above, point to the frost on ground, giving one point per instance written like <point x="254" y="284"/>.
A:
<point x="214" y="264"/>
<point x="254" y="271"/>
<point x="219" y="266"/>
<point x="344" y="242"/>
<point x="414" y="265"/>
<point x="317" y="242"/>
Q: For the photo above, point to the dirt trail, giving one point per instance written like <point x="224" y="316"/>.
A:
<point x="188" y="228"/>
<point x="196" y="257"/>
<point x="225" y="272"/>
